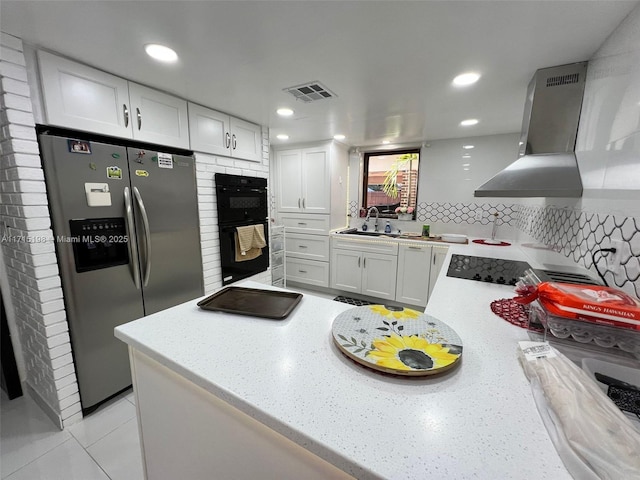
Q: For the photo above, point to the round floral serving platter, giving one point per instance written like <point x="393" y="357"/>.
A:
<point x="397" y="340"/>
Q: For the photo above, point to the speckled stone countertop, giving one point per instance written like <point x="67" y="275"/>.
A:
<point x="477" y="420"/>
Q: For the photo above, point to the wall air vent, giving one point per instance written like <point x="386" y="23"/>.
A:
<point x="563" y="80"/>
<point x="310" y="92"/>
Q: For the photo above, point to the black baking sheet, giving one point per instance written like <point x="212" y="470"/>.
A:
<point x="252" y="301"/>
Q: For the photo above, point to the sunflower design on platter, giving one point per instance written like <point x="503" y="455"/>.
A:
<point x="398" y="313"/>
<point x="379" y="337"/>
<point x="410" y="353"/>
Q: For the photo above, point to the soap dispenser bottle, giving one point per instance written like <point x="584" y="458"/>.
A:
<point x="387" y="227"/>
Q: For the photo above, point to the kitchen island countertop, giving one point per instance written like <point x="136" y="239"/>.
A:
<point x="477" y="420"/>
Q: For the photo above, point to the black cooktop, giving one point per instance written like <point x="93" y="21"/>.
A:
<point x="485" y="269"/>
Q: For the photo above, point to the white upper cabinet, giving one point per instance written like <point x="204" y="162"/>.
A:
<point x="220" y="134"/>
<point x="81" y="97"/>
<point x="304" y="178"/>
<point x="246" y="140"/>
<point x="158" y="117"/>
<point x="289" y="189"/>
<point x="209" y="130"/>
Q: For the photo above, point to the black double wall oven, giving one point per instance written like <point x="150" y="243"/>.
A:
<point x="241" y="201"/>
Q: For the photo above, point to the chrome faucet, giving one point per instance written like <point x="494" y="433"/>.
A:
<point x="369" y="216"/>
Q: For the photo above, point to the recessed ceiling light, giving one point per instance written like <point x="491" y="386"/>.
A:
<point x="469" y="122"/>
<point x="284" y="112"/>
<point x="466" y="168"/>
<point x="468" y="147"/>
<point x="282" y="136"/>
<point x="386" y="142"/>
<point x="161" y="53"/>
<point x="465" y="79"/>
<point x="466" y="164"/>
<point x="520" y="143"/>
<point x="466" y="155"/>
<point x="339" y="137"/>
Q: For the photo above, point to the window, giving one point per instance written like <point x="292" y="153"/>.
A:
<point x="391" y="181"/>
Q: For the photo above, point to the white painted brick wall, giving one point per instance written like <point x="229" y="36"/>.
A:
<point x="206" y="168"/>
<point x="27" y="246"/>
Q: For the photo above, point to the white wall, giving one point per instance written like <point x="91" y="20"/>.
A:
<point x="445" y="188"/>
<point x="443" y="177"/>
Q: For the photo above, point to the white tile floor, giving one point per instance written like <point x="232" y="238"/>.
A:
<point x="102" y="446"/>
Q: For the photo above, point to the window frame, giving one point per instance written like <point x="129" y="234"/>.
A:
<point x="365" y="176"/>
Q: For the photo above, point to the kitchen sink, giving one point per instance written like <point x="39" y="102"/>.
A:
<point x="355" y="231"/>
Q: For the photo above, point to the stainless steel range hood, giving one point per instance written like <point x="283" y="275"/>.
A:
<point x="547" y="166"/>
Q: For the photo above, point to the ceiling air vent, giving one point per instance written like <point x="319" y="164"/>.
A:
<point x="310" y="92"/>
<point x="563" y="80"/>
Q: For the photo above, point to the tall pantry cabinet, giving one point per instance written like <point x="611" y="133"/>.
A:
<point x="311" y="200"/>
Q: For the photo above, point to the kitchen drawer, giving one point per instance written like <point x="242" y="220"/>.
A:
<point x="386" y="247"/>
<point x="305" y="223"/>
<point x="311" y="247"/>
<point x="307" y="271"/>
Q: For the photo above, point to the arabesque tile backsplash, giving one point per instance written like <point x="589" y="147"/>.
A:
<point x="576" y="234"/>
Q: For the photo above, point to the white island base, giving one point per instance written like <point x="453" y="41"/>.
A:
<point x="187" y="432"/>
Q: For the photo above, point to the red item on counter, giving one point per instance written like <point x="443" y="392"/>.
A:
<point x="591" y="303"/>
<point x="514" y="313"/>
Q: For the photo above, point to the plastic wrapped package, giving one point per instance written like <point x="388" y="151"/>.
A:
<point x="592" y="436"/>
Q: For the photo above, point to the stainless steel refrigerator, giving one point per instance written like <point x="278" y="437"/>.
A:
<point x="125" y="221"/>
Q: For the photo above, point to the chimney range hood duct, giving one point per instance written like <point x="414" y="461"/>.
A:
<point x="547" y="166"/>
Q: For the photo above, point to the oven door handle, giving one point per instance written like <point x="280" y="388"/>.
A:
<point x="131" y="243"/>
<point x="147" y="236"/>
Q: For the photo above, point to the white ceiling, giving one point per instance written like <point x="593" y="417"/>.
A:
<point x="390" y="62"/>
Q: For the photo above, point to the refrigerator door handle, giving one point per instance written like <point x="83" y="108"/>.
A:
<point x="147" y="237"/>
<point x="133" y="249"/>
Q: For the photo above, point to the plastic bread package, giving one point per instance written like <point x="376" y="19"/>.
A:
<point x="594" y="439"/>
<point x="591" y="303"/>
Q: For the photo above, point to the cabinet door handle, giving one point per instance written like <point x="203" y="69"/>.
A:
<point x="302" y="246"/>
<point x="358" y="262"/>
<point x="303" y="203"/>
<point x="234" y="142"/>
<point x="125" y="113"/>
<point x="301" y="223"/>
<point x="298" y="203"/>
<point x="139" y="115"/>
<point x="415" y="248"/>
<point x="302" y="271"/>
<point x="364" y="262"/>
<point x="227" y="142"/>
<point x="434" y="258"/>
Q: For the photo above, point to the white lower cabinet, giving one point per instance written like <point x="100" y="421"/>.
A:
<point x="387" y="270"/>
<point x="414" y="269"/>
<point x="418" y="269"/>
<point x="307" y="271"/>
<point x="437" y="262"/>
<point x="357" y="270"/>
<point x="307" y="248"/>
